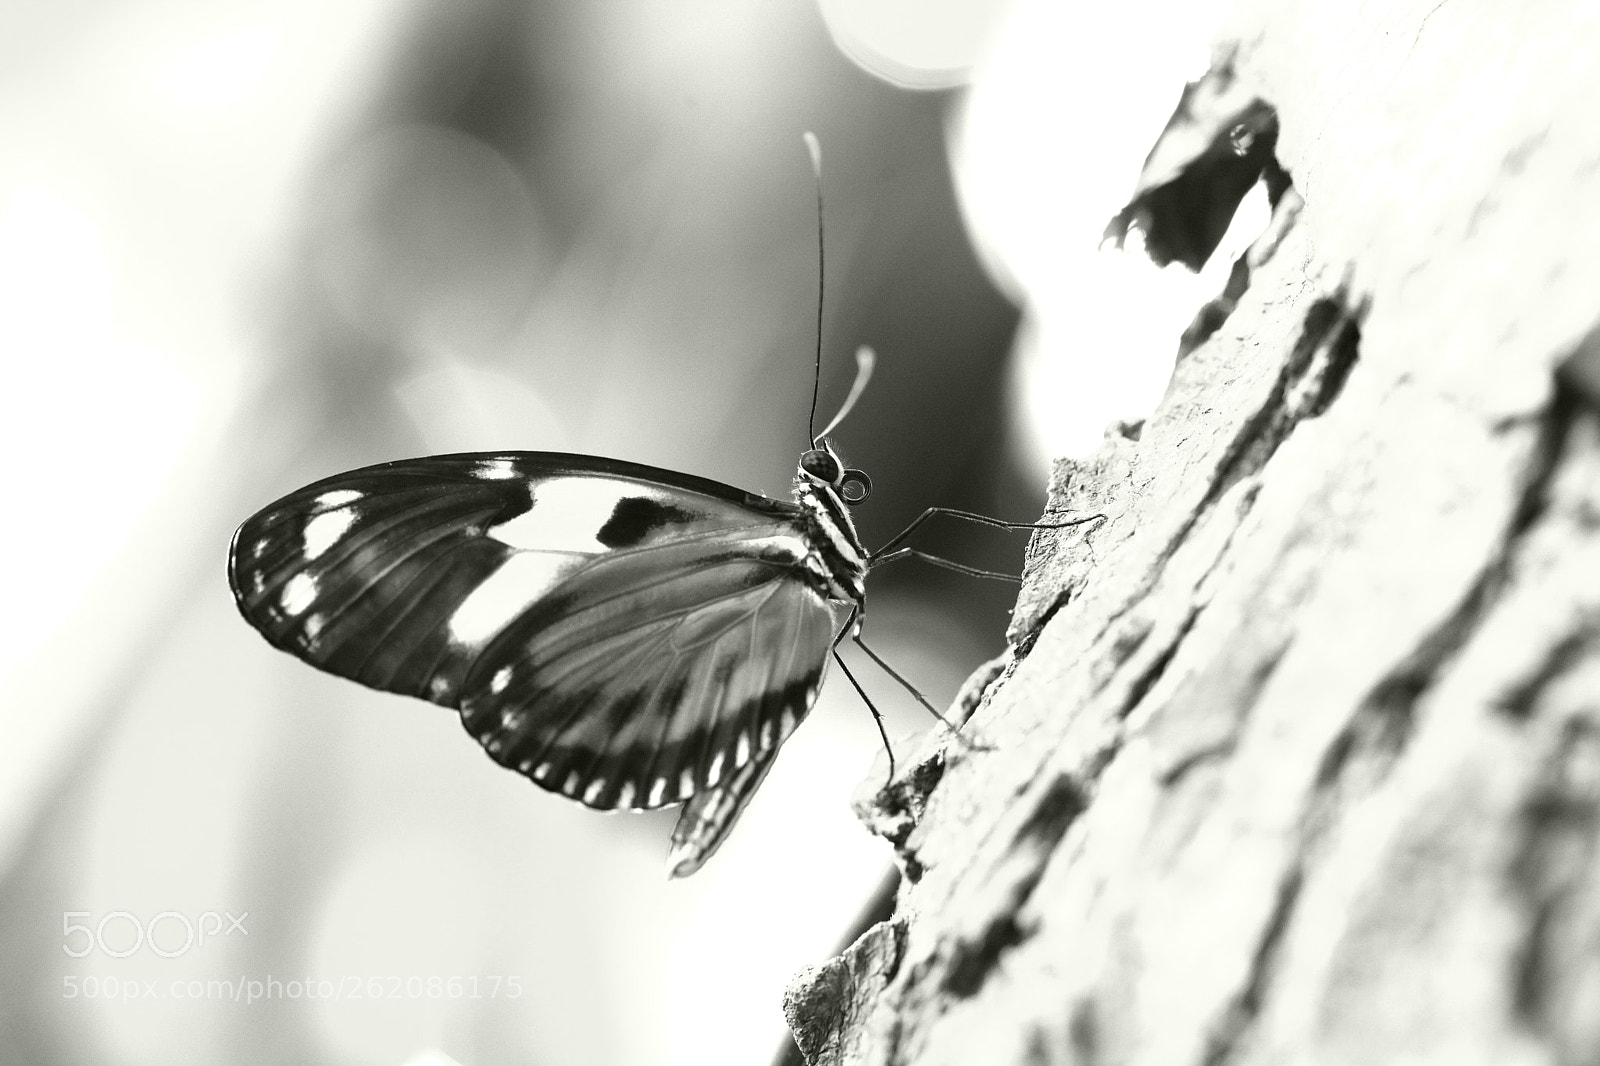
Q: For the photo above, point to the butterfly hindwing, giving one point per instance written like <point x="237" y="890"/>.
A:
<point x="637" y="634"/>
<point x="654" y="673"/>
<point x="708" y="817"/>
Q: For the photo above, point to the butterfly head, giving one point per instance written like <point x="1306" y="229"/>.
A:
<point x="822" y="467"/>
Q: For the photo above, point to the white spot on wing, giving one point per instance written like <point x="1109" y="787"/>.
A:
<point x="570" y="786"/>
<point x="741" y="750"/>
<point x="766" y="735"/>
<point x="325" y="529"/>
<point x="298" y="593"/>
<point x="657" y="792"/>
<point x="336" y="498"/>
<point x="501" y="678"/>
<point x="495" y="470"/>
<point x="312" y="627"/>
<point x="592" y="793"/>
<point x="786" y="723"/>
<point x="686" y="783"/>
<point x="625" y="795"/>
<point x="506" y="593"/>
<point x="568" y="512"/>
<point x="542" y="772"/>
<point x="715" y="773"/>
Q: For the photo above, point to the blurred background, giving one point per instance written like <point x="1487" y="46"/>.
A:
<point x="246" y="245"/>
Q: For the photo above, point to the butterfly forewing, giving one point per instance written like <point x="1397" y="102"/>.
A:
<point x="364" y="574"/>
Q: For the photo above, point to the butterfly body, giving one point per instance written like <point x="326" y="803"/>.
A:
<point x="626" y="636"/>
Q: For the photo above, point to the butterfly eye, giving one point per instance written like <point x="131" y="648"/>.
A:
<point x="856" y="486"/>
<point x="821" y="465"/>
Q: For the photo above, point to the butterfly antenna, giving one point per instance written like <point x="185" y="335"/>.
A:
<point x="815" y="149"/>
<point x="865" y="361"/>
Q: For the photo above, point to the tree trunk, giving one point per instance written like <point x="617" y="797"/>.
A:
<point x="1297" y="758"/>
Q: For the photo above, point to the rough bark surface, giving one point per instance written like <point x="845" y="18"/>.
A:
<point x="1298" y="756"/>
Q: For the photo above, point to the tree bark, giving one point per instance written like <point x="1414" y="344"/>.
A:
<point x="1296" y="757"/>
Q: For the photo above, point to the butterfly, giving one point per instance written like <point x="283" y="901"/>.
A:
<point x="626" y="636"/>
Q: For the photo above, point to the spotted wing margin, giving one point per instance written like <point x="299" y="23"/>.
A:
<point x="708" y="817"/>
<point x="365" y="574"/>
<point x="652" y="676"/>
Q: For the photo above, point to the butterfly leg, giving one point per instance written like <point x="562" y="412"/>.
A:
<point x="887" y="551"/>
<point x="960" y="568"/>
<point x="851" y="625"/>
<point x="877" y="717"/>
<point x="858" y="616"/>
